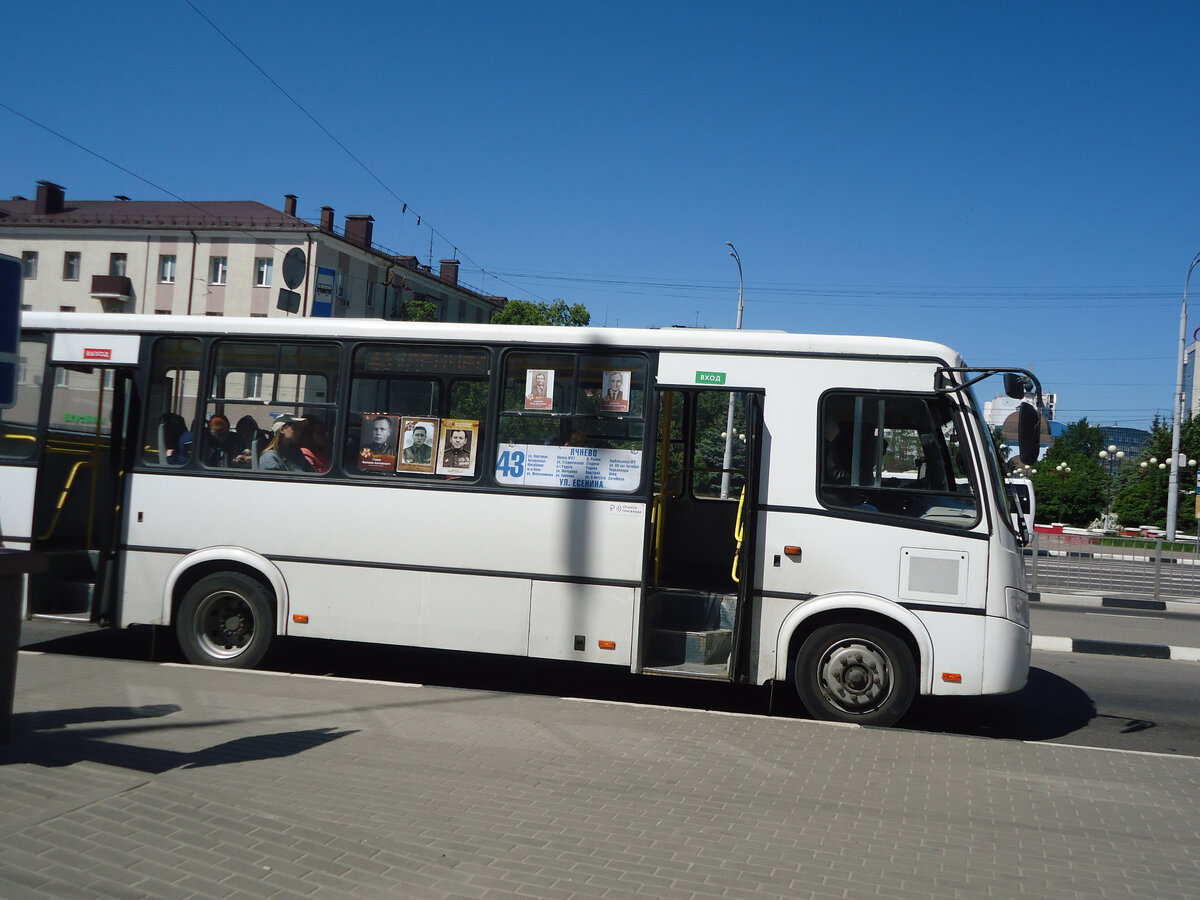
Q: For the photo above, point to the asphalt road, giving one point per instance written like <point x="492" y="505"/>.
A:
<point x="1098" y="701"/>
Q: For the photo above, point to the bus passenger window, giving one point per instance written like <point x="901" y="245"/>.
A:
<point x="171" y="404"/>
<point x="572" y="420"/>
<point x="271" y="407"/>
<point x="18" y="424"/>
<point x="417" y="411"/>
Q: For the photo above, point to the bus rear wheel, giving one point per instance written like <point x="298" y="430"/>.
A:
<point x="226" y="619"/>
<point x="855" y="673"/>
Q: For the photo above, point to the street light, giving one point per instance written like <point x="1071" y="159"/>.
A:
<point x="1110" y="458"/>
<point x="727" y="460"/>
<point x="1063" y="470"/>
<point x="1176" y="427"/>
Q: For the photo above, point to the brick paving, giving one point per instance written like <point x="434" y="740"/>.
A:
<point x="138" y="780"/>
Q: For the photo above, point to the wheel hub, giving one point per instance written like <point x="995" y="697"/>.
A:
<point x="855" y="676"/>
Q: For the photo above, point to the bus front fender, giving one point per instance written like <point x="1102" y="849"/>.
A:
<point x="235" y="558"/>
<point x="828" y="607"/>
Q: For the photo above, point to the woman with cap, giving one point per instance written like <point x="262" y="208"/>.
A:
<point x="284" y="453"/>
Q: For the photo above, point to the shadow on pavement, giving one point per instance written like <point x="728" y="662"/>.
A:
<point x="1047" y="707"/>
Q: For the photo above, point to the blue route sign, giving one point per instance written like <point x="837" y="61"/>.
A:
<point x="11" y="273"/>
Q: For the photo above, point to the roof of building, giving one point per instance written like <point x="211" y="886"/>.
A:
<point x="52" y="209"/>
<point x="209" y="214"/>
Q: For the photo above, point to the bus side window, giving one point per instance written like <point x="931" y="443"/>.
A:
<point x="253" y="387"/>
<point x="416" y="411"/>
<point x="18" y="425"/>
<point x="171" y="404"/>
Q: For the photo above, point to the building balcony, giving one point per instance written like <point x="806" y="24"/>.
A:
<point x="112" y="287"/>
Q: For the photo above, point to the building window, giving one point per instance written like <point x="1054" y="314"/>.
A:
<point x="370" y="295"/>
<point x="70" y="266"/>
<point x="116" y="264"/>
<point x="218" y="269"/>
<point x="340" y="287"/>
<point x="29" y="263"/>
<point x="262" y="271"/>
<point x="66" y="309"/>
<point x="253" y="386"/>
<point x="62" y="377"/>
<point x="166" y="269"/>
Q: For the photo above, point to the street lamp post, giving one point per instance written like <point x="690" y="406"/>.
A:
<point x="1180" y="403"/>
<point x="1110" y="458"/>
<point x="727" y="460"/>
<point x="1064" y="470"/>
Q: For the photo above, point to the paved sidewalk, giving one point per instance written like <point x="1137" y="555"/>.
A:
<point x="134" y="779"/>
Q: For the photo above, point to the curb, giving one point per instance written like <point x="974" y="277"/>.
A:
<point x="1115" y="648"/>
<point x="1098" y="600"/>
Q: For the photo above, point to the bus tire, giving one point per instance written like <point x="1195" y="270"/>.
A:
<point x="226" y="619"/>
<point x="855" y="673"/>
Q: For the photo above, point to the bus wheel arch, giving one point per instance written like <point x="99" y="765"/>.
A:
<point x="226" y="610"/>
<point x="856" y="663"/>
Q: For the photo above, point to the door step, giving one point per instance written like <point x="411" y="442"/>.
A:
<point x="671" y="646"/>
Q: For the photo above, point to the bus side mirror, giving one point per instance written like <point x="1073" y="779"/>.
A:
<point x="1014" y="385"/>
<point x="1028" y="433"/>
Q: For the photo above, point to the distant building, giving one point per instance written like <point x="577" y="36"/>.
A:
<point x="997" y="410"/>
<point x="1130" y="440"/>
<point x="215" y="258"/>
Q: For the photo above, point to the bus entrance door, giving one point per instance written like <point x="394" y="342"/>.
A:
<point x="78" y="498"/>
<point x="700" y="571"/>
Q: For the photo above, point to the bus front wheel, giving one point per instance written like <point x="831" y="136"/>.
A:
<point x="855" y="673"/>
<point x="226" y="619"/>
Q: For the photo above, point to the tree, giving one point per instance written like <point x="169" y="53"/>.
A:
<point x="529" y="312"/>
<point x="1077" y="498"/>
<point x="1141" y="497"/>
<point x="418" y="311"/>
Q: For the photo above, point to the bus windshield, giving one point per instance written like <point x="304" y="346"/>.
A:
<point x="991" y="460"/>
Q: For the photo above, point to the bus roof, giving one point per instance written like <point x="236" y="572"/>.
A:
<point x="712" y="340"/>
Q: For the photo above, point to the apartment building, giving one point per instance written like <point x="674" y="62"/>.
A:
<point x="217" y="258"/>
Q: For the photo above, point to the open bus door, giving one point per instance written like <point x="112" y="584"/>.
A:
<point x="84" y="426"/>
<point x="700" y="572"/>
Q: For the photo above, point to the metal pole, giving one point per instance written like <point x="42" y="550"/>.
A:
<point x="727" y="460"/>
<point x="1180" y="403"/>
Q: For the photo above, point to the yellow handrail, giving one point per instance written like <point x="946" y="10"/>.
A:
<point x="62" y="501"/>
<point x="739" y="528"/>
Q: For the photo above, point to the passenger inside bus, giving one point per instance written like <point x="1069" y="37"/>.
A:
<point x="314" y="443"/>
<point x="252" y="438"/>
<point x="221" y="445"/>
<point x="284" y="453"/>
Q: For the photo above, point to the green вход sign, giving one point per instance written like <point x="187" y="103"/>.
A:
<point x="710" y="378"/>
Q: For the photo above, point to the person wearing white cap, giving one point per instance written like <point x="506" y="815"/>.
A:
<point x="284" y="453"/>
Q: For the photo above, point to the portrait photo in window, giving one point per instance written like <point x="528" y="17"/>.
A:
<point x="615" y="390"/>
<point x="378" y="451"/>
<point x="418" y="439"/>
<point x="539" y="389"/>
<point x="460" y="438"/>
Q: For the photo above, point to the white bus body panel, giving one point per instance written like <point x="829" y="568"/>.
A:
<point x="417" y="567"/>
<point x="17" y="484"/>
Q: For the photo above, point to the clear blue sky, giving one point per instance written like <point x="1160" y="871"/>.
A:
<point x="1017" y="180"/>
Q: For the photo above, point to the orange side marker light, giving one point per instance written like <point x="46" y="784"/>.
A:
<point x="607" y="645"/>
<point x="952" y="677"/>
<point x="300" y="619"/>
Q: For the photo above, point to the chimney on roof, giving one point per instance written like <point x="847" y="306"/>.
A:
<point x="49" y="198"/>
<point x="449" y="271"/>
<point x="359" y="229"/>
<point x="327" y="219"/>
<point x="289" y="204"/>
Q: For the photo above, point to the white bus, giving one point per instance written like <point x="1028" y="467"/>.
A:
<point x="559" y="493"/>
